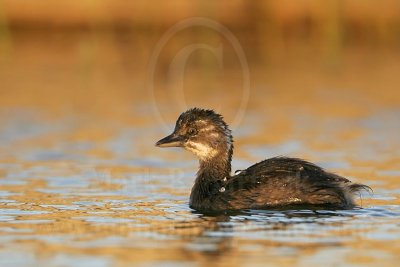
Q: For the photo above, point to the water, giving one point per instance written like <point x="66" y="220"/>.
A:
<point x="81" y="183"/>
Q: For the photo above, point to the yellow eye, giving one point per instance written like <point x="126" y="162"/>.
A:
<point x="192" y="131"/>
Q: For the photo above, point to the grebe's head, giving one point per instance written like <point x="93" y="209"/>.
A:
<point x="202" y="132"/>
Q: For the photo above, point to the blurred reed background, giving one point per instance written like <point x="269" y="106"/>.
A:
<point x="79" y="49"/>
<point x="334" y="22"/>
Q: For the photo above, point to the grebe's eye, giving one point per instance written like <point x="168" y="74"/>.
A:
<point x="192" y="131"/>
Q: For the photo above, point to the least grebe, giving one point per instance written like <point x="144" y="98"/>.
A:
<point x="272" y="183"/>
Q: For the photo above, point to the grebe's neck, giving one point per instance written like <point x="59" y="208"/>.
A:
<point x="216" y="168"/>
<point x="214" y="171"/>
<point x="212" y="175"/>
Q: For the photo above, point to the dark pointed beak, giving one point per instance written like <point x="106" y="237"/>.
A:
<point x="172" y="140"/>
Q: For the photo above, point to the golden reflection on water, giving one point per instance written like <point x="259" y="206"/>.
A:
<point x="81" y="183"/>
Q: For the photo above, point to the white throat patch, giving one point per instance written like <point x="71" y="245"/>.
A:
<point x="201" y="150"/>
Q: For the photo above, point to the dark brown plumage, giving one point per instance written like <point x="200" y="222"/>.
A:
<point x="272" y="183"/>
